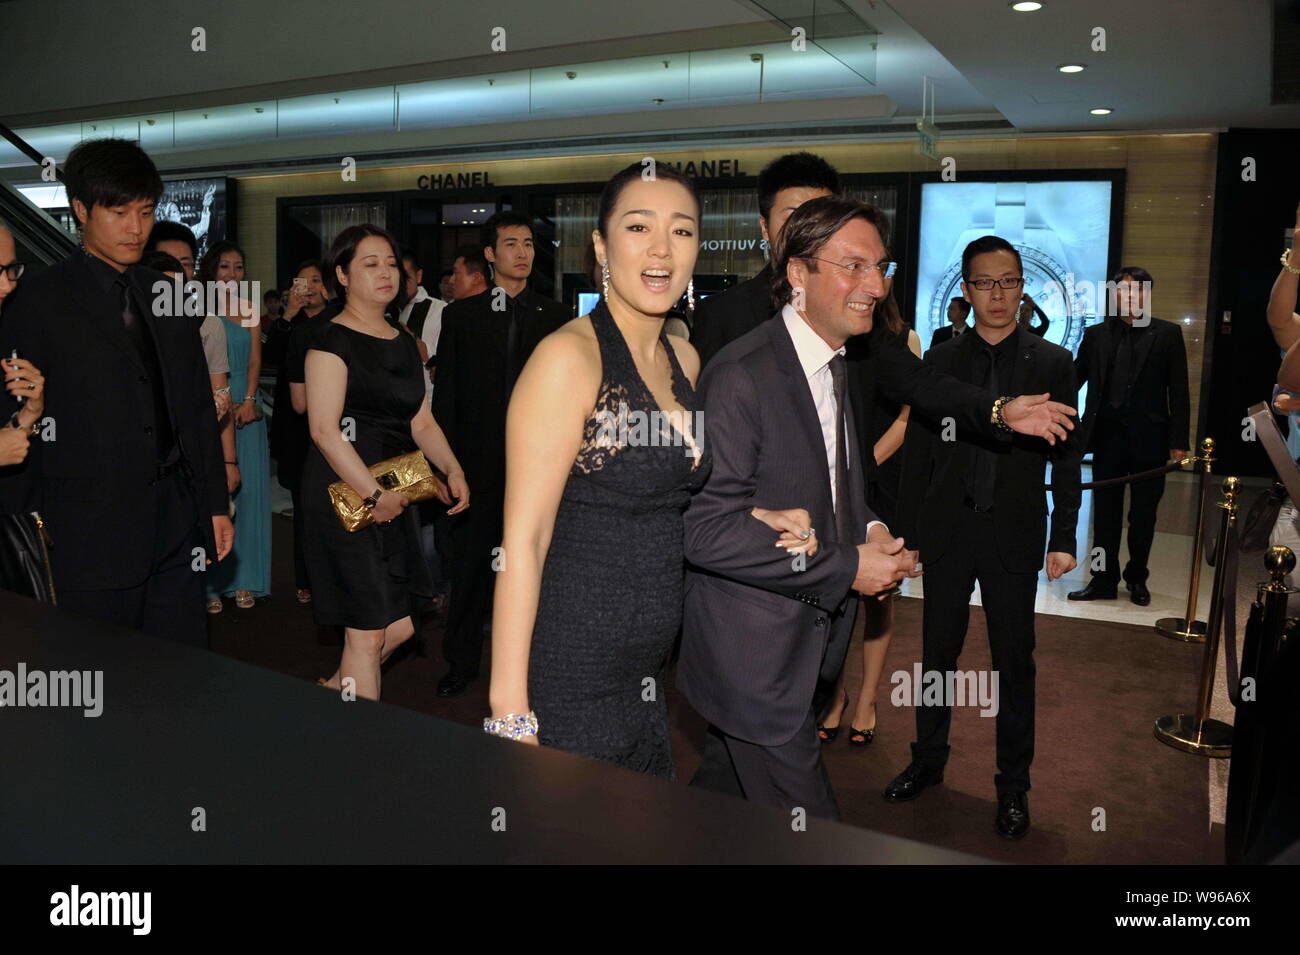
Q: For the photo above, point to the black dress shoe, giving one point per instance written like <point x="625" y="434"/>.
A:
<point x="1139" y="594"/>
<point x="1012" y="821"/>
<point x="453" y="684"/>
<point x="1094" y="591"/>
<point x="909" y="783"/>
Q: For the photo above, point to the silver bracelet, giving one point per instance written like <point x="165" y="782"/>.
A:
<point x="512" y="725"/>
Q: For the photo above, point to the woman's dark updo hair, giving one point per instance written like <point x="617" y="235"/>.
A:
<point x="622" y="179"/>
<point x="207" y="270"/>
<point x="344" y="250"/>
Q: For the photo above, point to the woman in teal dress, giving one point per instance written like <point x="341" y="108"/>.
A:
<point x="246" y="573"/>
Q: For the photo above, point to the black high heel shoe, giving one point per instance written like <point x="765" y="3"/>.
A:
<point x="827" y="734"/>
<point x="859" y="737"/>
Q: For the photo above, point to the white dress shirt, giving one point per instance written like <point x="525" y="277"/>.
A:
<point x="432" y="326"/>
<point x="814" y="357"/>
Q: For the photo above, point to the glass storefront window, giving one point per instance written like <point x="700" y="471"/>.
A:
<point x="327" y="220"/>
<point x="731" y="244"/>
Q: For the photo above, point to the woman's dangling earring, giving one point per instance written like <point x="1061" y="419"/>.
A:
<point x="604" y="279"/>
<point x="690" y="295"/>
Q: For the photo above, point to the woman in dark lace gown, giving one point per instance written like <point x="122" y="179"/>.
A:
<point x="611" y="590"/>
<point x="601" y="459"/>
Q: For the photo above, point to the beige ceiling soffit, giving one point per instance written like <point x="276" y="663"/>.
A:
<point x="678" y="42"/>
<point x="550" y="133"/>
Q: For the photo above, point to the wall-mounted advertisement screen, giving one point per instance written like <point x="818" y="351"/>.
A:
<point x="201" y="204"/>
<point x="205" y="205"/>
<point x="1062" y="229"/>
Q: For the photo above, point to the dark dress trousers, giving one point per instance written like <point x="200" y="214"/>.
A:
<point x="725" y="316"/>
<point x="1001" y="546"/>
<point x="1131" y="425"/>
<point x="132" y="472"/>
<point x="481" y="351"/>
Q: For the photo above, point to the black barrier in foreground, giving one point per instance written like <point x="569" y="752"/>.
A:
<point x="279" y="770"/>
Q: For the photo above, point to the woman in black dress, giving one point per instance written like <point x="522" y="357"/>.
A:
<point x="365" y="403"/>
<point x="601" y="458"/>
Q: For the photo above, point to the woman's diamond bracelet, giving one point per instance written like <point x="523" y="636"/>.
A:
<point x="512" y="725"/>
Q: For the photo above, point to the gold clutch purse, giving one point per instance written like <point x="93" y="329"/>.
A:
<point x="407" y="474"/>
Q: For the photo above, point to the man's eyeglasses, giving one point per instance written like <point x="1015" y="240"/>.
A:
<point x="985" y="284"/>
<point x="14" y="270"/>
<point x="887" y="269"/>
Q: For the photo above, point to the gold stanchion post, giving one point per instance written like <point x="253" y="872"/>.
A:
<point x="1187" y="628"/>
<point x="1199" y="734"/>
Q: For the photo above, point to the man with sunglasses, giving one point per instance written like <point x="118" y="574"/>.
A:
<point x="759" y="628"/>
<point x="976" y="511"/>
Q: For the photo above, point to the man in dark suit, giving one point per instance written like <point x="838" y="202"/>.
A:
<point x="485" y="341"/>
<point x="976" y="510"/>
<point x="1137" y="418"/>
<point x="784" y="184"/>
<point x="129" y="479"/>
<point x="958" y="310"/>
<point x="760" y="627"/>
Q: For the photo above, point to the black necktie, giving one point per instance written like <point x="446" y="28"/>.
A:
<point x="131" y="321"/>
<point x="138" y="332"/>
<point x="1119" y="375"/>
<point x="982" y="479"/>
<point x="843" y="505"/>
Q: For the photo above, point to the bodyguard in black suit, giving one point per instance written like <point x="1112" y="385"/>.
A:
<point x="783" y="185"/>
<point x="130" y="479"/>
<point x="976" y="510"/>
<point x="485" y="341"/>
<point x="958" y="310"/>
<point x="1137" y="418"/>
<point x="725" y="316"/>
<point x="759" y="628"/>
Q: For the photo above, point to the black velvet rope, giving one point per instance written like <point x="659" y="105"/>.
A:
<point x="1139" y="476"/>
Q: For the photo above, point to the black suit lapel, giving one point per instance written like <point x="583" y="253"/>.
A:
<point x="801" y="400"/>
<point x="141" y="295"/>
<point x="1099" y="374"/>
<point x="103" y="315"/>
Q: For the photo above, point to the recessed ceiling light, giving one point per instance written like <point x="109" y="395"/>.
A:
<point x="1026" y="6"/>
<point x="1101" y="111"/>
<point x="1071" y="67"/>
